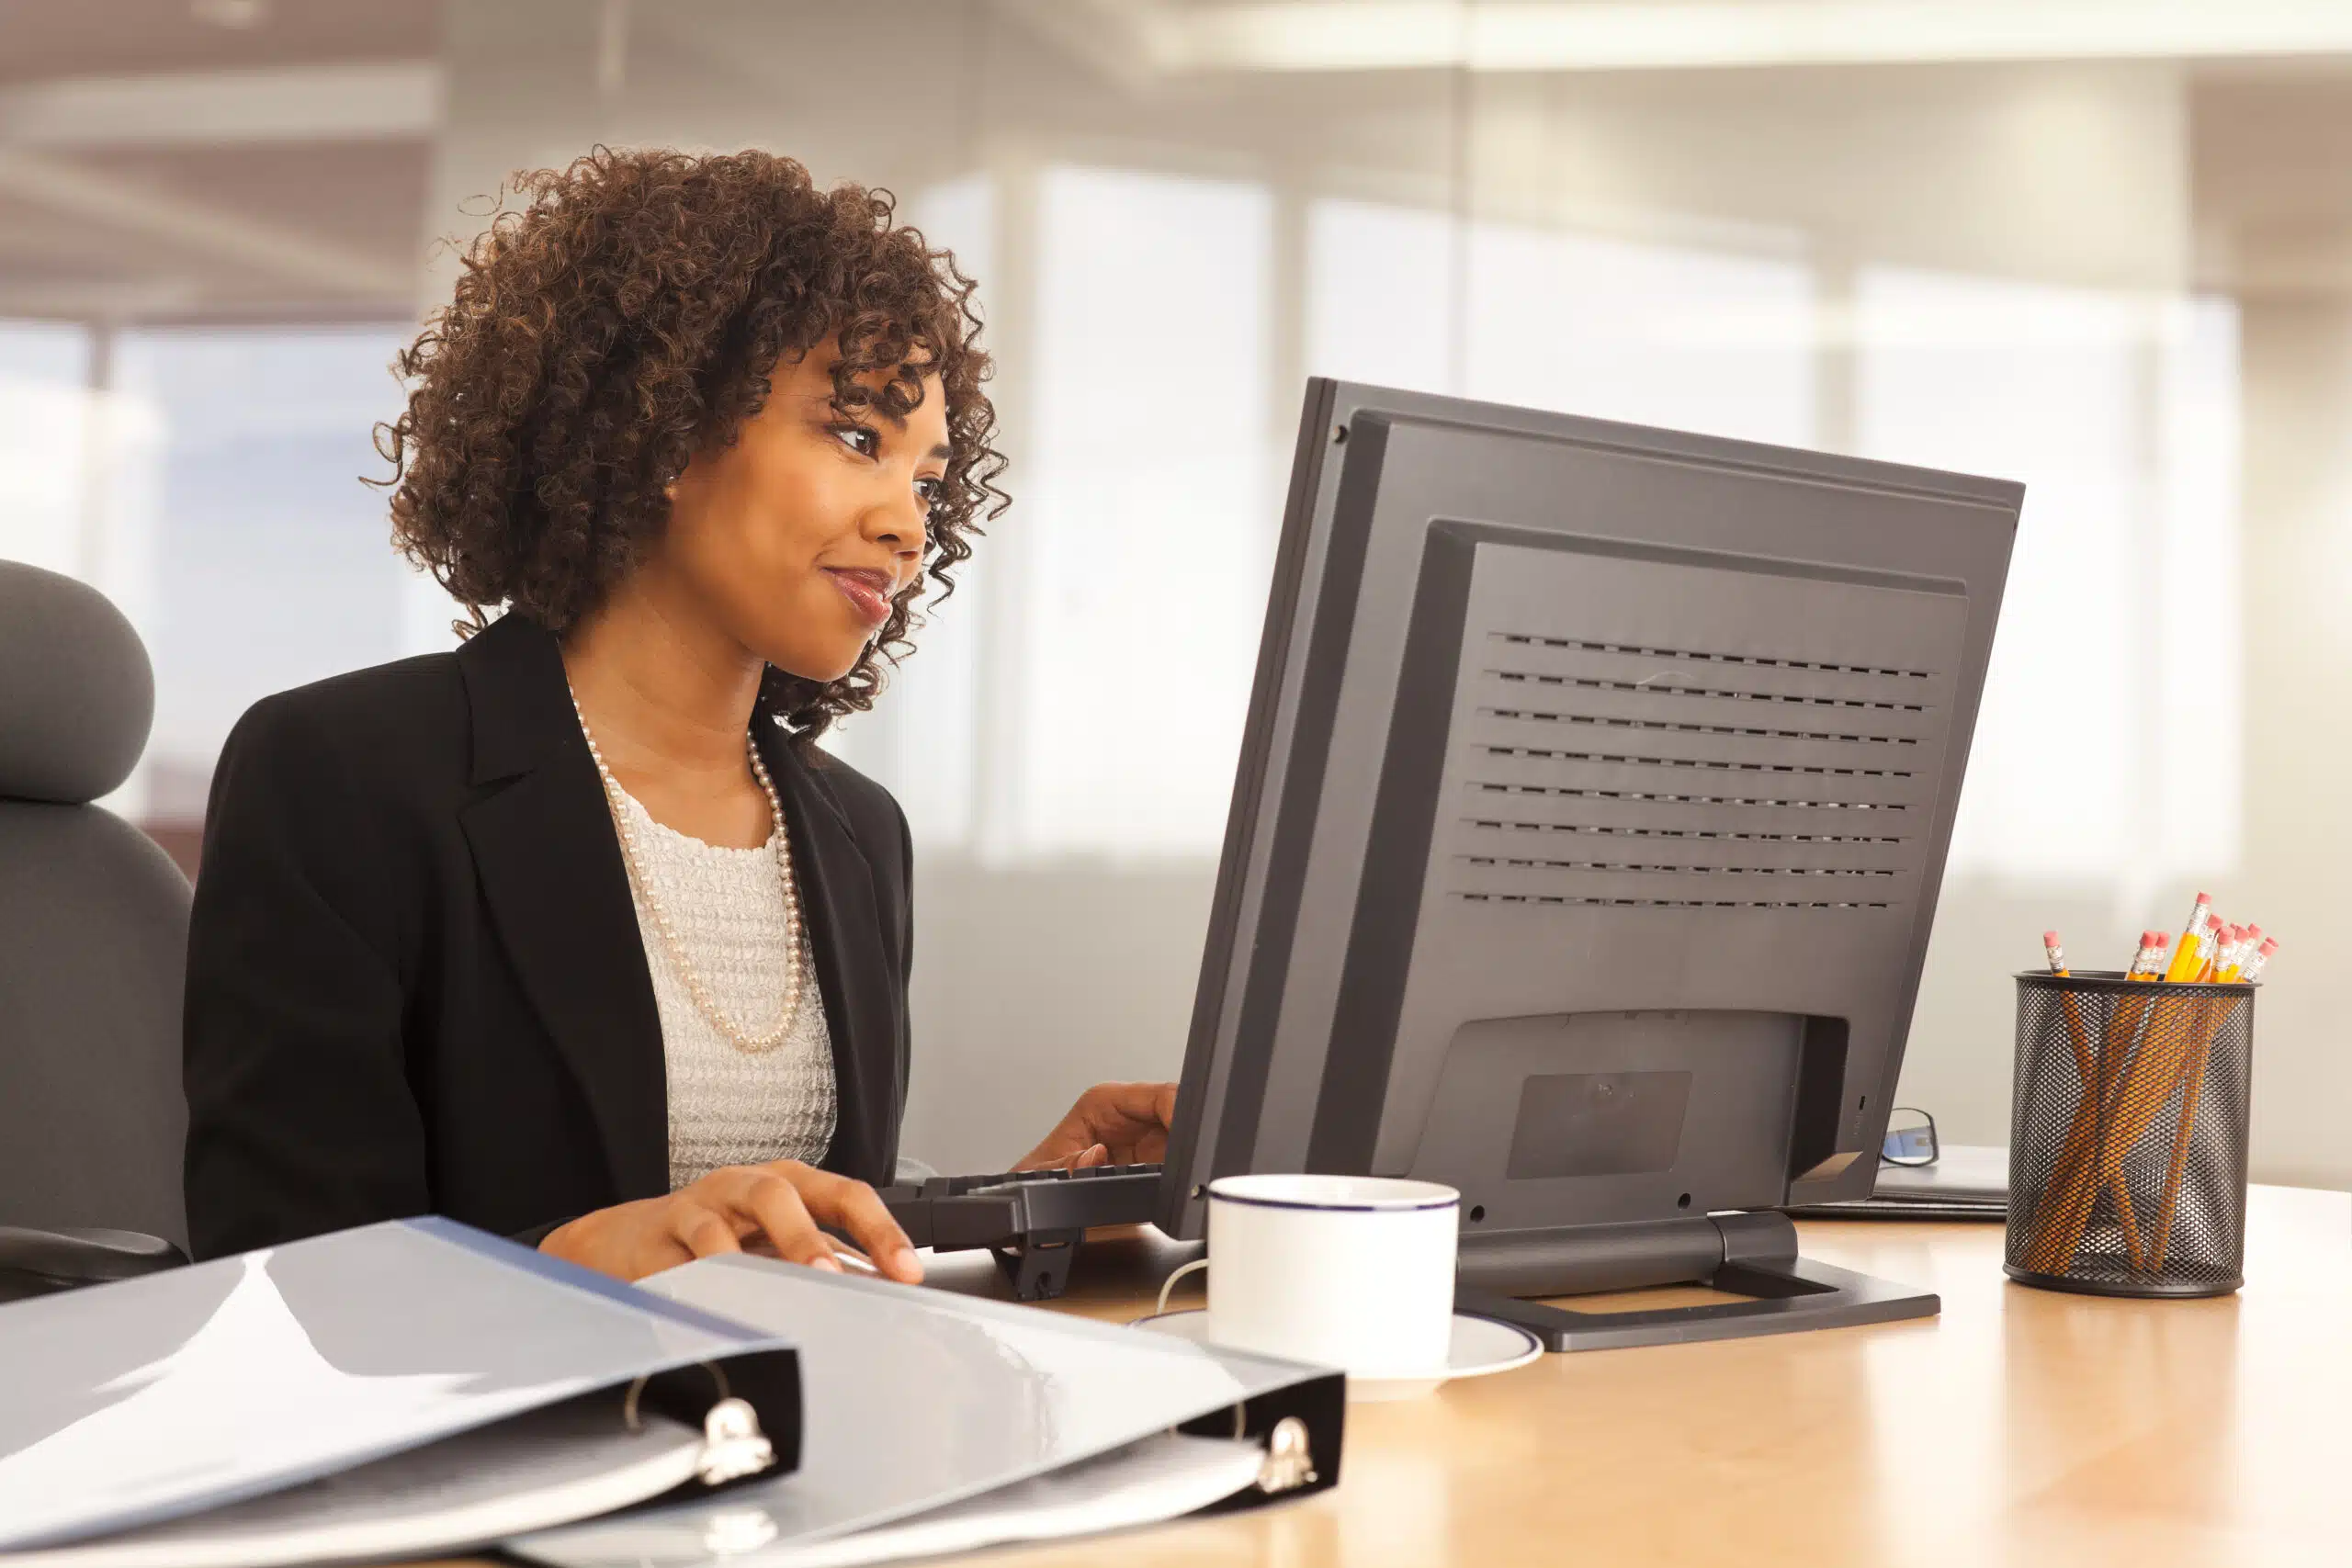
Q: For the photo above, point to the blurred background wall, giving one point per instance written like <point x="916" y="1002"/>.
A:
<point x="2100" y="247"/>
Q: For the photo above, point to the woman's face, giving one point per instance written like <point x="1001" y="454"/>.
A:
<point x="796" y="539"/>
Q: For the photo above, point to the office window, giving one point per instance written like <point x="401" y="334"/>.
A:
<point x="46" y="415"/>
<point x="2107" y="749"/>
<point x="1380" y="295"/>
<point x="2199" y="767"/>
<point x="267" y="562"/>
<point x="1654" y="334"/>
<point x="1657" y="334"/>
<point x="1147" y="509"/>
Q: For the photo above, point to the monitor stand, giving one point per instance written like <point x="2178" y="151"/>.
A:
<point x="1752" y="1255"/>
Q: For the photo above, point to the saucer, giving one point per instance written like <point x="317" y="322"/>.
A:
<point x="1480" y="1347"/>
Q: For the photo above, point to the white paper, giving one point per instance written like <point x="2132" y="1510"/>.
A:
<point x="1160" y="1478"/>
<point x="546" y="1468"/>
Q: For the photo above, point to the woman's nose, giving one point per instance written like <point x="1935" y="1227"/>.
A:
<point x="899" y="526"/>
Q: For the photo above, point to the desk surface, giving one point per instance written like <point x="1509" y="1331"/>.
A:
<point x="2022" y="1426"/>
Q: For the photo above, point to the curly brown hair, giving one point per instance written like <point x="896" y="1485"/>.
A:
<point x="625" y="315"/>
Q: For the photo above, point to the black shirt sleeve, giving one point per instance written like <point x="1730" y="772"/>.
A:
<point x="300" y="1115"/>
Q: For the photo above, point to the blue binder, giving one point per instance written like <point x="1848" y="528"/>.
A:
<point x="168" y="1395"/>
<point x="917" y="1399"/>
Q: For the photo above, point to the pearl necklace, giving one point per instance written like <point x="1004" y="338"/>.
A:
<point x="749" y="1044"/>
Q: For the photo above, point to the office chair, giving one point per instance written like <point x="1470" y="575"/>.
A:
<point x="93" y="945"/>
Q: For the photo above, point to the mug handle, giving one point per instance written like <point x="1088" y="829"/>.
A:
<point x="1169" y="1285"/>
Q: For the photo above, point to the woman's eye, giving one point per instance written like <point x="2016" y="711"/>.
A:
<point x="858" y="438"/>
<point x="928" y="490"/>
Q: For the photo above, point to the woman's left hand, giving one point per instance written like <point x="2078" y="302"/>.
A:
<point x="1113" y="1123"/>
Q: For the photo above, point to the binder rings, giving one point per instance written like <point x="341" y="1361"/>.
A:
<point x="166" y="1397"/>
<point x="916" y="1399"/>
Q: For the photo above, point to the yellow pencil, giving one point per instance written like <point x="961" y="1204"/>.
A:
<point x="2248" y="969"/>
<point x="2190" y="957"/>
<point x="2243" y="941"/>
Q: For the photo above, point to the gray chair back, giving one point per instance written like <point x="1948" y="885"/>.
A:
<point x="93" y="926"/>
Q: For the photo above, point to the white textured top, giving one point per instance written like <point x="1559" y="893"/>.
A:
<point x="729" y="1107"/>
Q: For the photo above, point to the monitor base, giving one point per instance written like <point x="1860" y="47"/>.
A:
<point x="1746" y="1254"/>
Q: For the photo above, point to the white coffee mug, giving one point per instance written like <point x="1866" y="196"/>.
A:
<point x="1348" y="1271"/>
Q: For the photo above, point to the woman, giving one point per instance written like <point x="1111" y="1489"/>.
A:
<point x="572" y="934"/>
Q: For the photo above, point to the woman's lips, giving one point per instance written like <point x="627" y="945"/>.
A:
<point x="868" y="593"/>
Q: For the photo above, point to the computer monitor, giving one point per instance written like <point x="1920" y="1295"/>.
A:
<point x="1584" y="843"/>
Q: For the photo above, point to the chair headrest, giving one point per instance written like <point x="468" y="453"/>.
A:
<point x="76" y="692"/>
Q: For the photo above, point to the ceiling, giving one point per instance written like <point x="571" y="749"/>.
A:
<point x="166" y="160"/>
<point x="41" y="40"/>
<point x="225" y="160"/>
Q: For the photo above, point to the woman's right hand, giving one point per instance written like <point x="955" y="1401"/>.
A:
<point x="775" y="1207"/>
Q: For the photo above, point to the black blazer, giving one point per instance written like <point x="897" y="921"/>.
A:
<point x="414" y="978"/>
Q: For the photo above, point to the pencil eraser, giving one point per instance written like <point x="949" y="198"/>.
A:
<point x="2204" y="898"/>
<point x="2164" y="939"/>
<point x="2270" y="945"/>
<point x="2048" y="939"/>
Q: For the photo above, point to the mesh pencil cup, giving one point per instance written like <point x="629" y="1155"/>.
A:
<point x="2128" y="1135"/>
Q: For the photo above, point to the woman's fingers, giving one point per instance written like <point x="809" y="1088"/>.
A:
<point x="781" y="1207"/>
<point x="1133" y="1118"/>
<point x="1076" y="1160"/>
<point x="1147" y="1104"/>
<point x="774" y="1203"/>
<point x="1153" y="1144"/>
<point x="703" y="1231"/>
<point x="855" y="1207"/>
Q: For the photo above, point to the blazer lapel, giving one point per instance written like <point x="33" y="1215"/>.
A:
<point x="551" y="873"/>
<point x="854" y="971"/>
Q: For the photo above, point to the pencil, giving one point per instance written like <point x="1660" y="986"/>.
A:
<point x="2118" y="1109"/>
<point x="2057" y="952"/>
<point x="2188" y="957"/>
<point x="2080" y="1172"/>
<point x="2176" y="1170"/>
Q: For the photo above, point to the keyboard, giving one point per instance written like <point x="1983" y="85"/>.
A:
<point x="1030" y="1219"/>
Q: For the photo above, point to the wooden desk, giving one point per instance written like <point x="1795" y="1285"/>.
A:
<point x="2023" y="1427"/>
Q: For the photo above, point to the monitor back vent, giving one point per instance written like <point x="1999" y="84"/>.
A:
<point x="1598" y="773"/>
